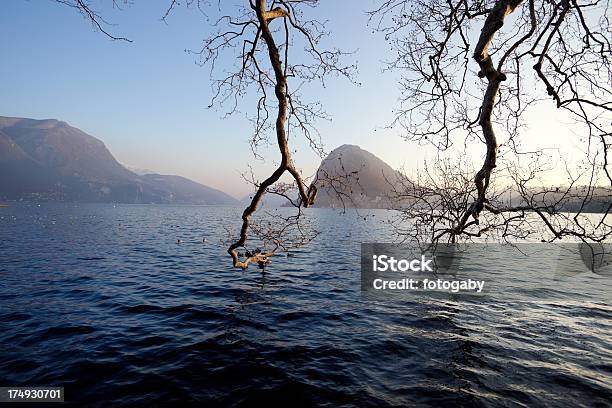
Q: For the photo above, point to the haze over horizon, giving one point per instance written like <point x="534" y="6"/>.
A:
<point x="147" y="100"/>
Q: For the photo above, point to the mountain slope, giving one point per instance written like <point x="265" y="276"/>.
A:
<point x="19" y="172"/>
<point x="51" y="160"/>
<point x="352" y="177"/>
<point x="183" y="190"/>
<point x="66" y="149"/>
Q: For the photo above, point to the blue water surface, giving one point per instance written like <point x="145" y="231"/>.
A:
<point x="102" y="300"/>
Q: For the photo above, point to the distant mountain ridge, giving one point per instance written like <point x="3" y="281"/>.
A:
<point x="49" y="160"/>
<point x="52" y="161"/>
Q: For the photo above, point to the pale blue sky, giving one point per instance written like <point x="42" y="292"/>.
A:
<point x="147" y="99"/>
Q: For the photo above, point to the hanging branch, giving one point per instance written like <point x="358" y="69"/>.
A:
<point x="520" y="48"/>
<point x="263" y="37"/>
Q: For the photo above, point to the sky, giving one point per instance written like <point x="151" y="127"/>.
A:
<point x="147" y="100"/>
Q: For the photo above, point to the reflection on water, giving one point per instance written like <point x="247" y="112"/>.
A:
<point x="103" y="301"/>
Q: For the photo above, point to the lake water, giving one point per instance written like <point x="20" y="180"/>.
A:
<point x="101" y="300"/>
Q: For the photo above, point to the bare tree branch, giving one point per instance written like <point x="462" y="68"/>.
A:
<point x="567" y="46"/>
<point x="260" y="36"/>
<point x="88" y="12"/>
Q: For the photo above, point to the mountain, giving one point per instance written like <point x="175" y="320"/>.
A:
<point x="53" y="161"/>
<point x="352" y="177"/>
<point x="348" y="177"/>
<point x="598" y="199"/>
